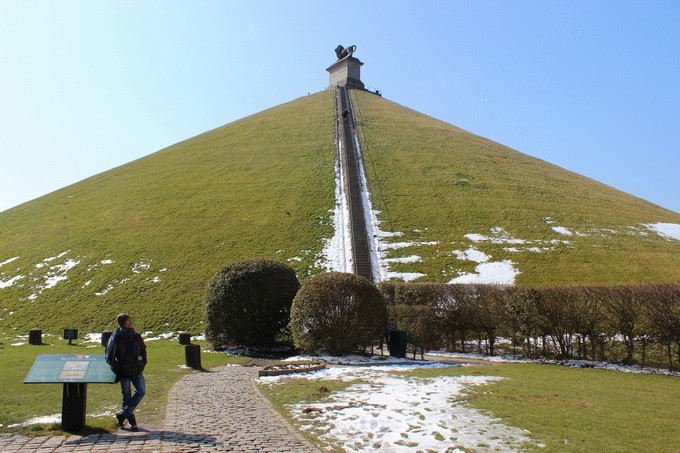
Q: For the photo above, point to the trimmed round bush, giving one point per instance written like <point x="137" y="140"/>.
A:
<point x="248" y="302"/>
<point x="338" y="313"/>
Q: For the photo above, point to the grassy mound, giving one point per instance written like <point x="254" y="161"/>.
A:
<point x="437" y="183"/>
<point x="146" y="237"/>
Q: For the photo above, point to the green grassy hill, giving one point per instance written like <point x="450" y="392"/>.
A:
<point x="146" y="237"/>
<point x="437" y="183"/>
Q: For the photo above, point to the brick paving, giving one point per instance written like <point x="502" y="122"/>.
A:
<point x="217" y="411"/>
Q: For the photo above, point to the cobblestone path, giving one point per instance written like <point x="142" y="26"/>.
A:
<point x="217" y="411"/>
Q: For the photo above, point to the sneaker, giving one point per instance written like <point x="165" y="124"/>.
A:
<point x="121" y="419"/>
<point x="133" y="422"/>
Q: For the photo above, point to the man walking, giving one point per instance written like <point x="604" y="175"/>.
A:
<point x="126" y="353"/>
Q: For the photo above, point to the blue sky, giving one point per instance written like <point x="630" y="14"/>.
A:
<point x="593" y="87"/>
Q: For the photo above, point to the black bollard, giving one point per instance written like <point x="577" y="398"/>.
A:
<point x="105" y="337"/>
<point x="184" y="338"/>
<point x="397" y="344"/>
<point x="192" y="355"/>
<point x="35" y="337"/>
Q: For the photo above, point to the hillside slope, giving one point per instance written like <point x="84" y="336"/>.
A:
<point x="147" y="236"/>
<point x="473" y="210"/>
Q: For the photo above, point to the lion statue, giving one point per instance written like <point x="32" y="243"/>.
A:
<point x="343" y="52"/>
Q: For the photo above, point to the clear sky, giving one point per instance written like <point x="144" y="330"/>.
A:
<point x="593" y="87"/>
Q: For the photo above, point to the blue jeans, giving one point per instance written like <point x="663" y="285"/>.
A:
<point x="130" y="402"/>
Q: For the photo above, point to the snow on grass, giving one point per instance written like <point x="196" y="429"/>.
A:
<point x="10" y="281"/>
<point x="57" y="273"/>
<point x="573" y="363"/>
<point x="405" y="259"/>
<point x="55" y="418"/>
<point x="563" y="230"/>
<point x="139" y="267"/>
<point x="42" y="420"/>
<point x="472" y="254"/>
<point x="405" y="276"/>
<point x="389" y="411"/>
<point x="499" y="236"/>
<point x="104" y="291"/>
<point x="670" y="231"/>
<point x="93" y="337"/>
<point x="500" y="272"/>
<point x="9" y="261"/>
<point x="337" y="251"/>
<point x="161" y="336"/>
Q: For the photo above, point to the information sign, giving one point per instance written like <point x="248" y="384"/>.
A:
<point x="64" y="368"/>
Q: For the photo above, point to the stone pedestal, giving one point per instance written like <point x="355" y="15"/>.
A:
<point x="346" y="73"/>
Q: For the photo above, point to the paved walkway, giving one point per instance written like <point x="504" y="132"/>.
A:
<point x="214" y="411"/>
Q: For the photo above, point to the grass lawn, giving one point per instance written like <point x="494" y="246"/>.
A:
<point x="565" y="409"/>
<point x="20" y="402"/>
<point x="572" y="409"/>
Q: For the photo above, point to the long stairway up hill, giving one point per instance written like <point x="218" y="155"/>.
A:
<point x="361" y="256"/>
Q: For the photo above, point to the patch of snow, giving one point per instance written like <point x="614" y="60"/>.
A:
<point x="295" y="258"/>
<point x="43" y="420"/>
<point x="670" y="231"/>
<point x="500" y="236"/>
<point x="393" y="412"/>
<point x="401" y="245"/>
<point x="103" y="291"/>
<point x="562" y="230"/>
<point x="163" y="336"/>
<point x="366" y="360"/>
<point x="138" y="267"/>
<point x="93" y="337"/>
<point x="105" y="262"/>
<point x="9" y="261"/>
<point x="337" y="251"/>
<point x="405" y="276"/>
<point x="501" y="272"/>
<point x="10" y="281"/>
<point x="405" y="259"/>
<point x="390" y="234"/>
<point x="570" y="363"/>
<point x="475" y="237"/>
<point x="472" y="254"/>
<point x="58" y="273"/>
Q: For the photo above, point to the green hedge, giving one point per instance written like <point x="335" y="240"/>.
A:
<point x="248" y="302"/>
<point x="337" y="312"/>
<point x="622" y="322"/>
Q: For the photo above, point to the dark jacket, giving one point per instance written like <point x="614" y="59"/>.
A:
<point x="126" y="353"/>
